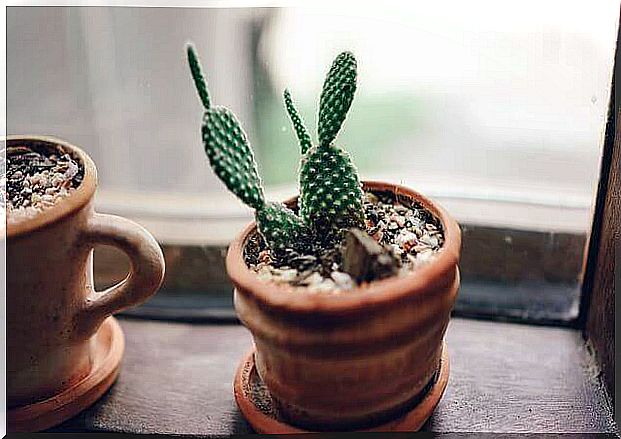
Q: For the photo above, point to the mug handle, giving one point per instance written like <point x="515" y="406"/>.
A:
<point x="145" y="276"/>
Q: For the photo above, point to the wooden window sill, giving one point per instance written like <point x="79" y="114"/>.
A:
<point x="176" y="378"/>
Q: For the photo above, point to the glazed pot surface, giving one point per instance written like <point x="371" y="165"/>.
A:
<point x="340" y="361"/>
<point x="52" y="307"/>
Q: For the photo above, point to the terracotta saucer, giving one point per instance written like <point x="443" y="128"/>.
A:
<point x="256" y="405"/>
<point x="108" y="347"/>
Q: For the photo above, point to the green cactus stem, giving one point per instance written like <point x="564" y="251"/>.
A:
<point x="298" y="124"/>
<point x="282" y="228"/>
<point x="336" y="96"/>
<point x="231" y="157"/>
<point x="331" y="197"/>
<point x="197" y="75"/>
<point x="233" y="162"/>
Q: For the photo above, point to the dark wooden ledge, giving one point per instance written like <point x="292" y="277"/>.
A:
<point x="177" y="378"/>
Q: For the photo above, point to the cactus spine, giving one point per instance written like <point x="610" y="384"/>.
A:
<point x="232" y="160"/>
<point x="331" y="197"/>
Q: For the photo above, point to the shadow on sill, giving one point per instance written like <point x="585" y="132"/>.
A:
<point x="176" y="379"/>
<point x="534" y="302"/>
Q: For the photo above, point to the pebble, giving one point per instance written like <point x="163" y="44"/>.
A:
<point x="342" y="280"/>
<point x="325" y="285"/>
<point x="264" y="257"/>
<point x="424" y="257"/>
<point x="72" y="170"/>
<point x="407" y="240"/>
<point x="378" y="235"/>
<point x="304" y="262"/>
<point x="431" y="241"/>
<point x="420" y="248"/>
<point x="288" y="275"/>
<point x="313" y="279"/>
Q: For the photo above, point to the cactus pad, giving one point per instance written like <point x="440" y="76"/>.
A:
<point x="282" y="228"/>
<point x="233" y="162"/>
<point x="336" y="96"/>
<point x="231" y="157"/>
<point x="197" y="75"/>
<point x="298" y="125"/>
<point x="331" y="195"/>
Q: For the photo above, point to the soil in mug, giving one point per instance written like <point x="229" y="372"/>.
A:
<point x="408" y="230"/>
<point x="36" y="178"/>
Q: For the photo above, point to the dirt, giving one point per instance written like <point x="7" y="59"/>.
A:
<point x="36" y="179"/>
<point x="410" y="231"/>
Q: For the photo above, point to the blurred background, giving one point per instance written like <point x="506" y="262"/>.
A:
<point x="495" y="109"/>
<point x="501" y="101"/>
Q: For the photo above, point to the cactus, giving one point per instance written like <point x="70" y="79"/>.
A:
<point x="230" y="156"/>
<point x="282" y="228"/>
<point x="336" y="96"/>
<point x="197" y="75"/>
<point x="232" y="160"/>
<point x="331" y="197"/>
<point x="298" y="125"/>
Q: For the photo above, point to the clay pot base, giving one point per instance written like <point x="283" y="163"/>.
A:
<point x="257" y="407"/>
<point x="107" y="353"/>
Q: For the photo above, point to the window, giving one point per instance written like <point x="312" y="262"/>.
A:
<point x="498" y="116"/>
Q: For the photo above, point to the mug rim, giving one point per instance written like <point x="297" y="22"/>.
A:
<point x="64" y="207"/>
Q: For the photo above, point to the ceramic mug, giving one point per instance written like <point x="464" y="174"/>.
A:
<point x="53" y="310"/>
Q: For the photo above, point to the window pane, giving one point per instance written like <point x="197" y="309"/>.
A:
<point x="496" y="110"/>
<point x="490" y="101"/>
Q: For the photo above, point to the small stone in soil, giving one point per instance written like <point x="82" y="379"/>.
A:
<point x="366" y="260"/>
<point x="343" y="280"/>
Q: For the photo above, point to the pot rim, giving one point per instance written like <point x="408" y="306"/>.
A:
<point x="376" y="293"/>
<point x="22" y="225"/>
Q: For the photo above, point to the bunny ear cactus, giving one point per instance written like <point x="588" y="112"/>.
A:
<point x="230" y="156"/>
<point x="298" y="125"/>
<point x="197" y="75"/>
<point x="232" y="160"/>
<point x="331" y="197"/>
<point x="336" y="96"/>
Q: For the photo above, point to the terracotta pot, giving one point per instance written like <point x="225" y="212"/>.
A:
<point x="347" y="360"/>
<point x="52" y="308"/>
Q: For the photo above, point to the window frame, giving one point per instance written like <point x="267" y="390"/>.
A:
<point x="597" y="308"/>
